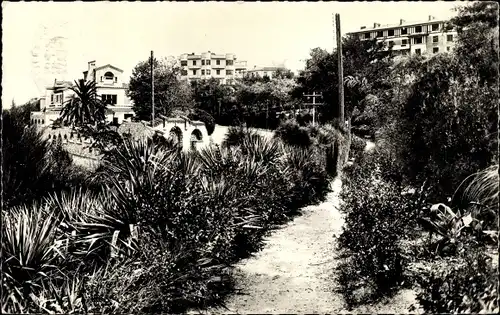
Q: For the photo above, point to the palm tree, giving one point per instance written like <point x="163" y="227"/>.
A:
<point x="84" y="107"/>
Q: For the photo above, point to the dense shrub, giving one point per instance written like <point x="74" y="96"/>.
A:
<point x="377" y="218"/>
<point x="460" y="285"/>
<point x="203" y="116"/>
<point x="32" y="167"/>
<point x="290" y="132"/>
<point x="358" y="146"/>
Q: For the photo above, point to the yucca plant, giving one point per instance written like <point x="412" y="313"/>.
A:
<point x="261" y="149"/>
<point x="29" y="249"/>
<point x="479" y="193"/>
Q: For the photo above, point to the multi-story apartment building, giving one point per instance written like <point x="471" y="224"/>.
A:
<point x="223" y="67"/>
<point x="412" y="37"/>
<point x="110" y="87"/>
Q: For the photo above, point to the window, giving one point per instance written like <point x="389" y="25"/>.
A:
<point x="449" y="38"/>
<point x="435" y="39"/>
<point x="380" y="34"/>
<point x="217" y="71"/>
<point x="448" y="48"/>
<point x="208" y="62"/>
<point x="109" y="99"/>
<point x="194" y="72"/>
<point x="404" y="42"/>
<point x="418" y="51"/>
<point x="184" y="72"/>
<point x="116" y="79"/>
<point x="390" y="33"/>
<point x="108" y="75"/>
<point x="184" y="63"/>
<point x="404" y="31"/>
<point x="194" y="62"/>
<point x="218" y="62"/>
<point x="435" y="27"/>
<point x="418" y="40"/>
<point x="203" y="62"/>
<point x="208" y="72"/>
<point x="229" y="72"/>
<point x="391" y="43"/>
<point x="202" y="72"/>
<point x="229" y="62"/>
<point x="367" y="35"/>
<point x="418" y="29"/>
<point x="52" y="98"/>
<point x="435" y="50"/>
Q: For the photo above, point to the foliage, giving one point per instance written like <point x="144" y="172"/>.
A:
<point x="447" y="127"/>
<point x="378" y="216"/>
<point x="170" y="93"/>
<point x="84" y="107"/>
<point x="477" y="44"/>
<point x="31" y="166"/>
<point x="464" y="285"/>
<point x="29" y="251"/>
<point x="206" y="118"/>
<point x="291" y="133"/>
<point x="365" y="63"/>
<point x="358" y="146"/>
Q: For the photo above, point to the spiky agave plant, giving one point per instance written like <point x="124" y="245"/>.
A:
<point x="30" y="252"/>
<point x="262" y="149"/>
<point x="479" y="193"/>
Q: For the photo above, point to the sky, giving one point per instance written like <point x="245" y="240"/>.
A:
<point x="124" y="33"/>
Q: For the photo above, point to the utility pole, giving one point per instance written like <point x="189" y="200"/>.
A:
<point x="152" y="91"/>
<point x="340" y="68"/>
<point x="313" y="104"/>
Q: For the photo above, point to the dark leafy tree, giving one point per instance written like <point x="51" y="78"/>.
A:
<point x="170" y="92"/>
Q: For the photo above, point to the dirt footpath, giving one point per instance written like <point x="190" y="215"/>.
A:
<point x="294" y="273"/>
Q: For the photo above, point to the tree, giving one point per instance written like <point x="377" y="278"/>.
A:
<point x="170" y="92"/>
<point x="84" y="107"/>
<point x="366" y="64"/>
<point x="477" y="44"/>
<point x="283" y="74"/>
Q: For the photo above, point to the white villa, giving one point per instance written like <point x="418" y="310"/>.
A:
<point x="111" y="88"/>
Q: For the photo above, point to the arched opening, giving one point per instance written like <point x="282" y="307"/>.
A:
<point x="43" y="122"/>
<point x="196" y="136"/>
<point x="176" y="135"/>
<point x="109" y="75"/>
<point x="65" y="137"/>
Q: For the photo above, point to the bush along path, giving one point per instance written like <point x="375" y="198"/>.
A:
<point x="295" y="271"/>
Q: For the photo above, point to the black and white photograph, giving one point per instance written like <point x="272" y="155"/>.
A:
<point x="250" y="157"/>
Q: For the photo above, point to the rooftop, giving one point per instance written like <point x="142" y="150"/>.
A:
<point x="402" y="23"/>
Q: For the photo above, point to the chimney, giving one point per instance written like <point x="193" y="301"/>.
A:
<point x="401" y="21"/>
<point x="90" y="74"/>
<point x="431" y="18"/>
<point x="375" y="25"/>
<point x="363" y="27"/>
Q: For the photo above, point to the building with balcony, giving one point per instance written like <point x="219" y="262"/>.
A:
<point x="223" y="67"/>
<point x="406" y="38"/>
<point x="111" y="89"/>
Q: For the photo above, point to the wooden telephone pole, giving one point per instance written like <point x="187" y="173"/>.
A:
<point x="152" y="91"/>
<point x="340" y="68"/>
